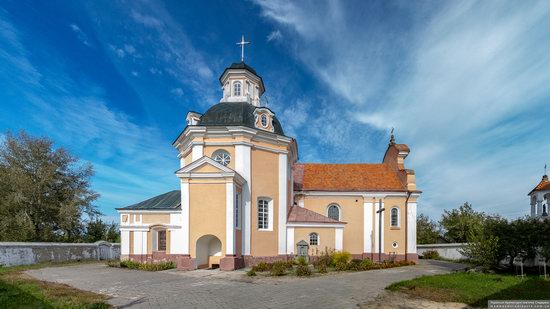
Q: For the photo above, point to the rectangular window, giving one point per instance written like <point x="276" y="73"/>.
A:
<point x="263" y="214"/>
<point x="237" y="210"/>
<point x="161" y="240"/>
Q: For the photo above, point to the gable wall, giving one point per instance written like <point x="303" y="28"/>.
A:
<point x="351" y="211"/>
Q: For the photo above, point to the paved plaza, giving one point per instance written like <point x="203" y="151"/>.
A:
<point x="215" y="289"/>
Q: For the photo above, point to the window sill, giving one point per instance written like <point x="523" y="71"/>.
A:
<point x="265" y="230"/>
<point x="395" y="228"/>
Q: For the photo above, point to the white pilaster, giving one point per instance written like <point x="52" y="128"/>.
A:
<point x="140" y="242"/>
<point x="283" y="200"/>
<point x="197" y="152"/>
<point x="124" y="242"/>
<point x="229" y="218"/>
<point x="184" y="234"/>
<point x="411" y="226"/>
<point x="290" y="240"/>
<point x="367" y="227"/>
<point x="339" y="239"/>
<point x="242" y="166"/>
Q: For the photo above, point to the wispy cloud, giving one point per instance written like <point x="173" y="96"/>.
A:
<point x="82" y="37"/>
<point x="463" y="84"/>
<point x="274" y="35"/>
<point x="178" y="92"/>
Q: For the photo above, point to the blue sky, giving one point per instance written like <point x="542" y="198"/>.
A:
<point x="465" y="84"/>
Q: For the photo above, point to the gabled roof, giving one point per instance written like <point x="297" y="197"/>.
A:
<point x="301" y="215"/>
<point x="193" y="170"/>
<point x="346" y="177"/>
<point x="544" y="185"/>
<point x="167" y="201"/>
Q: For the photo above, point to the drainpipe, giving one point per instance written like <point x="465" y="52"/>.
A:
<point x="407" y="223"/>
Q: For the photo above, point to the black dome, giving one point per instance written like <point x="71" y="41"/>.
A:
<point x="234" y="114"/>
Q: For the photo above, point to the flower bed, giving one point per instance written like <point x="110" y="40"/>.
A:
<point x="157" y="266"/>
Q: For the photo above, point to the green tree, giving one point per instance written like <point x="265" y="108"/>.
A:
<point x="461" y="223"/>
<point x="43" y="191"/>
<point x="427" y="231"/>
<point x="97" y="229"/>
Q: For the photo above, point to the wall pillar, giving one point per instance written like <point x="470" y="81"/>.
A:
<point x="411" y="226"/>
<point x="197" y="151"/>
<point x="367" y="226"/>
<point x="242" y="166"/>
<point x="290" y="241"/>
<point x="230" y="218"/>
<point x="283" y="201"/>
<point x="339" y="239"/>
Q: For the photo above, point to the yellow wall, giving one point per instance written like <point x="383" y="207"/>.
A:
<point x="351" y="211"/>
<point x="155" y="218"/>
<point x="326" y="238"/>
<point x="207" y="204"/>
<point x="209" y="151"/>
<point x="265" y="183"/>
<point x="394" y="234"/>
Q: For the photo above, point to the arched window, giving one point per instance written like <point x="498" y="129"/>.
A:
<point x="237" y="89"/>
<point x="222" y="157"/>
<point x="313" y="239"/>
<point x="263" y="214"/>
<point x="395" y="217"/>
<point x="333" y="212"/>
<point x="264" y="120"/>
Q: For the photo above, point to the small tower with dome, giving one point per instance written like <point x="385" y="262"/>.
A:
<point x="540" y="198"/>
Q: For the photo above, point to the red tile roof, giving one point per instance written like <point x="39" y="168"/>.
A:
<point x="301" y="215"/>
<point x="543" y="185"/>
<point x="346" y="177"/>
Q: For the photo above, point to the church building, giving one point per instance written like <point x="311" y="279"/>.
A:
<point x="540" y="198"/>
<point x="245" y="197"/>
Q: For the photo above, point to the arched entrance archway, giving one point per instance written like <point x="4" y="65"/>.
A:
<point x="209" y="251"/>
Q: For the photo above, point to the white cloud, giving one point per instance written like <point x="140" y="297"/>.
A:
<point x="275" y="35"/>
<point x="178" y="92"/>
<point x="466" y="87"/>
<point x="134" y="73"/>
<point x="82" y="37"/>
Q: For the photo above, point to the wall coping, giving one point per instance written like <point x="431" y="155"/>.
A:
<point x="57" y="244"/>
<point x="458" y="244"/>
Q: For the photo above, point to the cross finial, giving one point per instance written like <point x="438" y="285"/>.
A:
<point x="242" y="43"/>
<point x="544" y="169"/>
<point x="392" y="138"/>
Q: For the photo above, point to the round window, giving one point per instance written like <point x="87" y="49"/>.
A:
<point x="395" y="244"/>
<point x="222" y="157"/>
<point x="264" y="120"/>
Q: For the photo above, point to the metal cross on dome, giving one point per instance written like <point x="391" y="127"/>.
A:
<point x="242" y="43"/>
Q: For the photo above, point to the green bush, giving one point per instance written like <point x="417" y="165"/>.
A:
<point x="303" y="271"/>
<point x="355" y="265"/>
<point x="301" y="261"/>
<point x="262" y="266"/>
<point x="156" y="266"/>
<point x="366" y="264"/>
<point x="110" y="263"/>
<point x="340" y="266"/>
<point x="325" y="257"/>
<point x="341" y="257"/>
<point x="279" y="268"/>
<point x="251" y="272"/>
<point x="322" y="268"/>
<point x="431" y="255"/>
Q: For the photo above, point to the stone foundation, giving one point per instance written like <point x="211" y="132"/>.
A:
<point x="228" y="263"/>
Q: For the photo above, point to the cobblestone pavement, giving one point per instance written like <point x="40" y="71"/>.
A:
<point x="214" y="289"/>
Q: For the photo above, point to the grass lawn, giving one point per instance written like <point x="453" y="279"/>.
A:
<point x="474" y="289"/>
<point x="18" y="290"/>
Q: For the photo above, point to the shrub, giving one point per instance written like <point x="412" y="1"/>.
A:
<point x="355" y="265"/>
<point x="322" y="268"/>
<point x="303" y="271"/>
<point x="326" y="257"/>
<point x="262" y="266"/>
<point x="341" y="266"/>
<point x="290" y="264"/>
<point x="279" y="268"/>
<point x="156" y="266"/>
<point x="110" y="263"/>
<point x="251" y="272"/>
<point x="366" y="264"/>
<point x="431" y="255"/>
<point x="341" y="257"/>
<point x="301" y="261"/>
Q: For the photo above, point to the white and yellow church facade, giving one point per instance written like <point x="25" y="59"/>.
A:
<point x="245" y="198"/>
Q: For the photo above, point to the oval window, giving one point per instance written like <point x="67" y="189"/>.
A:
<point x="264" y="120"/>
<point x="222" y="157"/>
